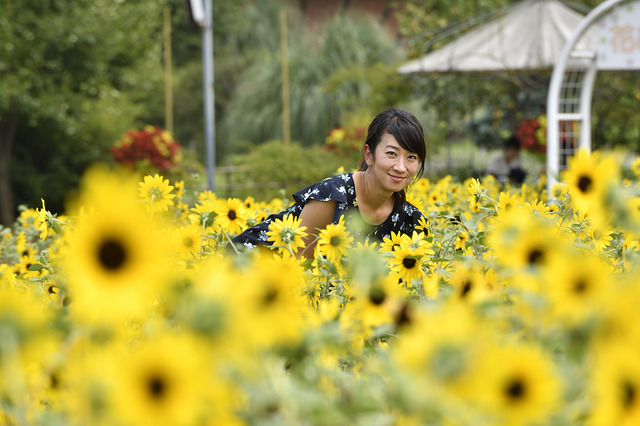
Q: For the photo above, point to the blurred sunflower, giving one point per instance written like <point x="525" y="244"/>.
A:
<point x="273" y="300"/>
<point x="615" y="385"/>
<point x="439" y="347"/>
<point x="576" y="286"/>
<point x="470" y="285"/>
<point x="156" y="192"/>
<point x="589" y="177"/>
<point x="115" y="259"/>
<point x="187" y="242"/>
<point x="376" y="301"/>
<point x="599" y="236"/>
<point x="521" y="240"/>
<point x="169" y="381"/>
<point x="517" y="384"/>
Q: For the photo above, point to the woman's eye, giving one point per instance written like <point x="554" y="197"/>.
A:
<point x="391" y="153"/>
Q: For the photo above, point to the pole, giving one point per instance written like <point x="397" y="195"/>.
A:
<point x="208" y="96"/>
<point x="286" y="120"/>
<point x="168" y="91"/>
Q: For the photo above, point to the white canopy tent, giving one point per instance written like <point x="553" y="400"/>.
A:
<point x="528" y="35"/>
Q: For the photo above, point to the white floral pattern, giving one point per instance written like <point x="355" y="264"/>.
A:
<point x="340" y="188"/>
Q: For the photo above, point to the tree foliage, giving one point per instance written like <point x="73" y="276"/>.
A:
<point x="72" y="75"/>
<point x="334" y="70"/>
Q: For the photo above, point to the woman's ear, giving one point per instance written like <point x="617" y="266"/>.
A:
<point x="368" y="155"/>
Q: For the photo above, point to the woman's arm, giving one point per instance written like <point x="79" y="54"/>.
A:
<point x="315" y="215"/>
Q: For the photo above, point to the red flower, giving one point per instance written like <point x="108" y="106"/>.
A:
<point x="151" y="144"/>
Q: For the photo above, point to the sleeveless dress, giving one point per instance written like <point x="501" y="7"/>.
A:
<point x="339" y="188"/>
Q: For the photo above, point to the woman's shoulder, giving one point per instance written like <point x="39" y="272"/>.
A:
<point x="336" y="188"/>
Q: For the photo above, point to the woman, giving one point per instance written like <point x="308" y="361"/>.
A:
<point x="393" y="156"/>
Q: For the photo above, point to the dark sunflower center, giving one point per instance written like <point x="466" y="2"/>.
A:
<point x="408" y="262"/>
<point x="112" y="255"/>
<point x="585" y="183"/>
<point x="157" y="387"/>
<point x="515" y="390"/>
<point x="270" y="296"/>
<point x="580" y="286"/>
<point x="535" y="257"/>
<point x="335" y="241"/>
<point x="187" y="242"/>
<point x="377" y="296"/>
<point x="629" y="393"/>
<point x="466" y="288"/>
<point x="404" y="316"/>
<point x="232" y="214"/>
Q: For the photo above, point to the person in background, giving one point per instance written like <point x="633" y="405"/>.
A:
<point x="393" y="156"/>
<point x="506" y="166"/>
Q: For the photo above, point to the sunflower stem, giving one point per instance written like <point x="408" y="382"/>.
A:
<point x="228" y="238"/>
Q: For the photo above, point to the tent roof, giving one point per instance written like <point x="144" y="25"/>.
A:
<point x="528" y="35"/>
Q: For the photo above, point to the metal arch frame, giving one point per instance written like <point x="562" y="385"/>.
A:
<point x="554" y="116"/>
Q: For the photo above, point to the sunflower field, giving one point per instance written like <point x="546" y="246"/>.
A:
<point x="510" y="305"/>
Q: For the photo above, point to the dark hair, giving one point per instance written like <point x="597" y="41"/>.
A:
<point x="512" y="142"/>
<point x="409" y="133"/>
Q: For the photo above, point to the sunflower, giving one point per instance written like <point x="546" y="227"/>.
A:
<point x="507" y="201"/>
<point x="115" y="259"/>
<point x="477" y="194"/>
<point x="470" y="285"/>
<point x="635" y="166"/>
<point x="514" y="382"/>
<point x="156" y="191"/>
<point x="600" y="237"/>
<point x="389" y="244"/>
<point x="376" y="301"/>
<point x="615" y="385"/>
<point x="273" y="300"/>
<point x="461" y="240"/>
<point x="42" y="221"/>
<point x="231" y="215"/>
<point x="410" y="257"/>
<point x="589" y="178"/>
<point x="576" y="286"/>
<point x="524" y="241"/>
<point x="204" y="215"/>
<point x="287" y="234"/>
<point x="187" y="242"/>
<point x="437" y="349"/>
<point x="334" y="241"/>
<point x="169" y="381"/>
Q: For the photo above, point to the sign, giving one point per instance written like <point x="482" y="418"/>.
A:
<point x="619" y="38"/>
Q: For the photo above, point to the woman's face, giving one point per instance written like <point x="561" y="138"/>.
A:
<point x="392" y="166"/>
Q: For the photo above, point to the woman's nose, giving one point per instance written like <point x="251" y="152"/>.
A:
<point x="400" y="164"/>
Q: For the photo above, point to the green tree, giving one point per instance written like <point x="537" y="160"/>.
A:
<point x="334" y="71"/>
<point x="72" y="75"/>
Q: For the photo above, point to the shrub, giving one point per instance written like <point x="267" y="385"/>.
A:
<point x="273" y="167"/>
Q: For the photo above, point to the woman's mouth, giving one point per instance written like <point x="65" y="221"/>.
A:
<point x="396" y="178"/>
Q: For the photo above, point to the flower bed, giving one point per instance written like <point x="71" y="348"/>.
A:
<point x="510" y="305"/>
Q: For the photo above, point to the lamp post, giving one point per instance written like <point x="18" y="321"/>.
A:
<point x="207" y="79"/>
<point x="201" y="14"/>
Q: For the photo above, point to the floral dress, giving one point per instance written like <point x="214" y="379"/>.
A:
<point x="340" y="188"/>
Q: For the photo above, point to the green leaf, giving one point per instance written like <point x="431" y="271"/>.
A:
<point x="36" y="267"/>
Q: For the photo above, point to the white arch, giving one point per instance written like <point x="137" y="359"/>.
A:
<point x="584" y="78"/>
